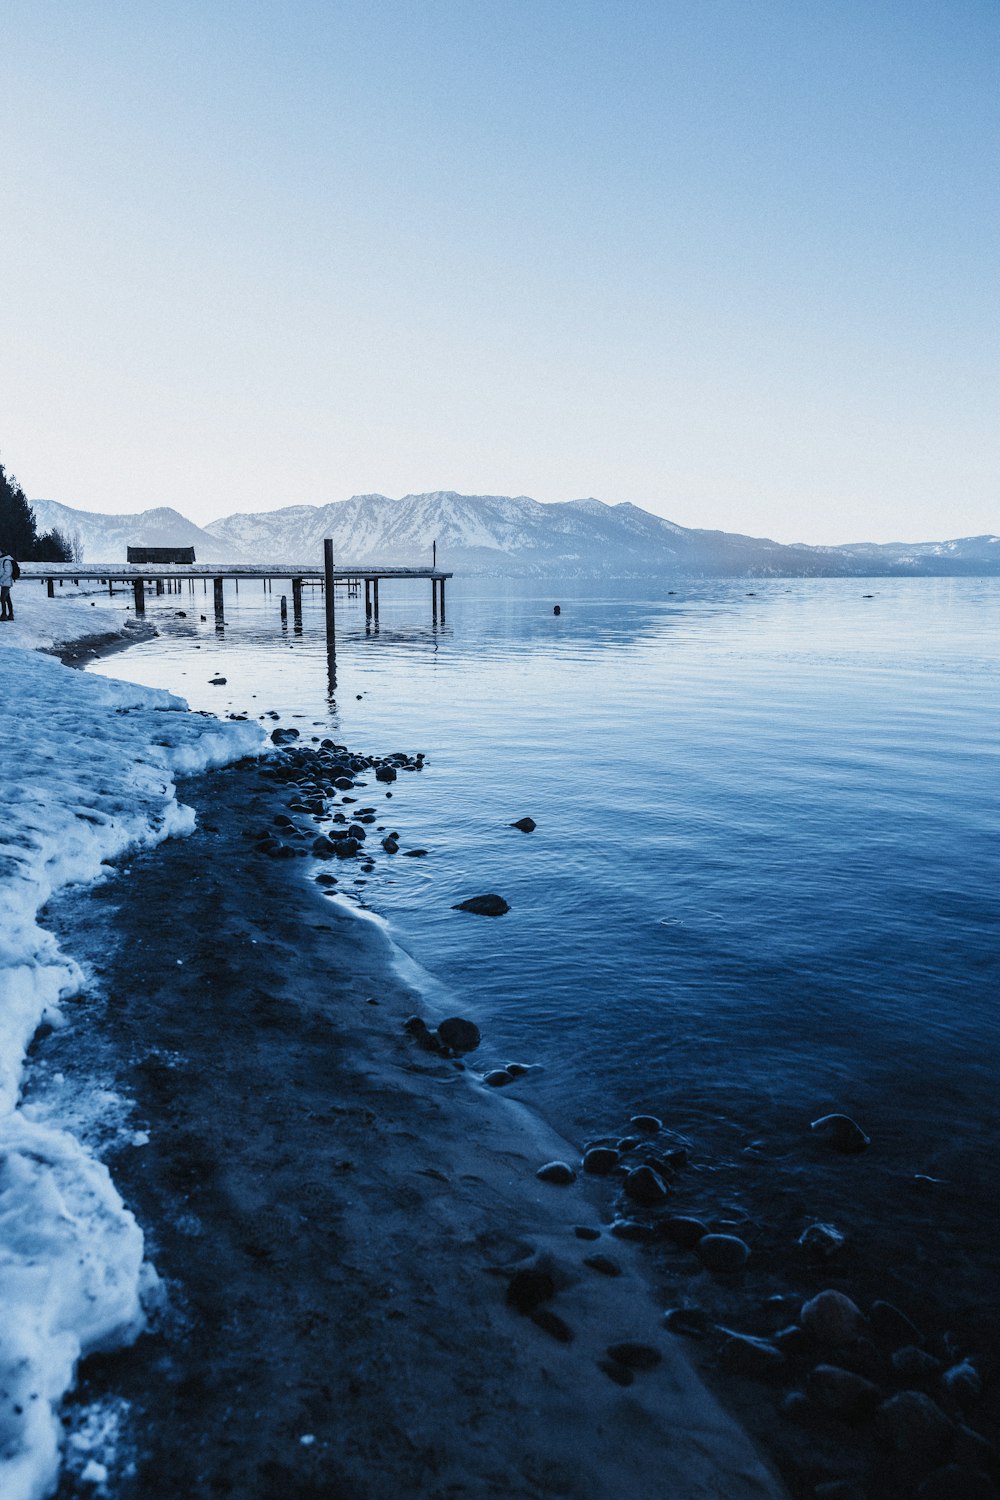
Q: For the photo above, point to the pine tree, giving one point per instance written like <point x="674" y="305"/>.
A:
<point x="19" y="532"/>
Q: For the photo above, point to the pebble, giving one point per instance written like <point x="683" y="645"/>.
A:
<point x="963" y="1384"/>
<point x="528" y="1288"/>
<point x="489" y="905"/>
<point x="820" y="1241"/>
<point x="723" y="1252"/>
<point x="684" y="1231"/>
<point x="841" y="1133"/>
<point x="635" y="1356"/>
<point x="600" y="1160"/>
<point x="498" y="1078"/>
<point x="633" y="1229"/>
<point x="558" y="1172"/>
<point x="647" y="1187"/>
<point x="914" y="1424"/>
<point x="692" y="1322"/>
<point x="911" y="1363"/>
<point x="893" y="1326"/>
<point x="603" y="1264"/>
<point x="646" y="1124"/>
<point x="832" y="1318"/>
<point x="459" y="1034"/>
<point x="842" y="1391"/>
<point x="586" y="1232"/>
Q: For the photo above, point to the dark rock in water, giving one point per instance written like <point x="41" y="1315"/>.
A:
<point x="414" y="853"/>
<point x="498" y="1078"/>
<point x="385" y="773"/>
<point x="963" y="1384"/>
<point x="647" y="1187"/>
<point x="526" y="825"/>
<point x="218" y="682"/>
<point x="841" y="1133"/>
<point x="283" y="851"/>
<point x="620" y="1374"/>
<point x="751" y="1356"/>
<point x="635" y="1356"/>
<point x="484" y="906"/>
<point x="179" y="614"/>
<point x="343" y="783"/>
<point x="323" y="848"/>
<point x="723" y="1252"/>
<point x="558" y="1172"/>
<point x="346" y="848"/>
<point x="646" y="1124"/>
<point x="390" y="846"/>
<point x="820" y="1241"/>
<point x="692" y="1322"/>
<point x="282" y="820"/>
<point x="552" y="1324"/>
<point x="516" y="1070"/>
<point x="356" y="831"/>
<point x="893" y="1326"/>
<point x="284" y="736"/>
<point x="459" y="1034"/>
<point x="529" y="1288"/>
<point x="585" y="1232"/>
<point x="958" y="1482"/>
<point x="684" y="1231"/>
<point x="633" y="1229"/>
<point x="417" y="1027"/>
<point x="629" y="1142"/>
<point x="914" y="1424"/>
<point x="600" y="1160"/>
<point x="326" y="880"/>
<point x="832" y="1318"/>
<point x="842" y="1391"/>
<point x="603" y="1264"/>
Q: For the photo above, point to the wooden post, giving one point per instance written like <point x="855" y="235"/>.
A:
<point x="368" y="598"/>
<point x="284" y="610"/>
<point x="51" y="590"/>
<point x="218" y="598"/>
<point x="331" y="624"/>
<point x="297" y="597"/>
<point x="442" y="598"/>
<point x="375" y="598"/>
<point x="435" y="554"/>
<point x="159" y="585"/>
<point x="434" y="599"/>
<point x="139" y="589"/>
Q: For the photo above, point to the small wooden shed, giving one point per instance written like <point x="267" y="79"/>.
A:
<point x="160" y="556"/>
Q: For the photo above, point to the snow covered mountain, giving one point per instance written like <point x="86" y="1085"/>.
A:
<point x="105" y="538"/>
<point x="504" y="535"/>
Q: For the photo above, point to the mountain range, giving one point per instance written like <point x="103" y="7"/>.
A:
<point x="502" y="535"/>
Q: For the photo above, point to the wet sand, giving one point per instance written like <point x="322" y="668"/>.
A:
<point x="337" y="1215"/>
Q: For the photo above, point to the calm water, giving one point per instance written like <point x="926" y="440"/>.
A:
<point x="763" y="882"/>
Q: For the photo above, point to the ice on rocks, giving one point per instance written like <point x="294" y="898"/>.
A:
<point x="88" y="770"/>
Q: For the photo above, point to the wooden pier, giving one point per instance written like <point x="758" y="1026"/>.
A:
<point x="171" y="578"/>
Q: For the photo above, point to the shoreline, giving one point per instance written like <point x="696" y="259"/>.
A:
<point x="396" y="1354"/>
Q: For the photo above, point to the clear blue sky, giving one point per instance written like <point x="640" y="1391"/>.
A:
<point x="733" y="260"/>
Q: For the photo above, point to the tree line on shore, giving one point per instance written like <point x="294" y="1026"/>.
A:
<point x="19" y="532"/>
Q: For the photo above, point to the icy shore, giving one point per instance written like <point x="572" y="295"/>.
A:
<point x="88" y="771"/>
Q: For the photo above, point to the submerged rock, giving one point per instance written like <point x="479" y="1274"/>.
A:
<point x="489" y="905"/>
<point x="647" y="1187"/>
<point x="841" y="1133"/>
<point x="684" y="1231"/>
<point x="459" y="1034"/>
<point x="646" y="1124"/>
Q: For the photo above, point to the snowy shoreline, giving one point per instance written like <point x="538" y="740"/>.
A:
<point x="89" y="770"/>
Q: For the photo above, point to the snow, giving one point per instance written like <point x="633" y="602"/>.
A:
<point x="88" y="768"/>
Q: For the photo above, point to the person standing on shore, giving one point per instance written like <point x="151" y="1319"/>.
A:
<point x="6" y="583"/>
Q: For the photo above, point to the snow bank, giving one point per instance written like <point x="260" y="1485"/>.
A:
<point x="87" y="772"/>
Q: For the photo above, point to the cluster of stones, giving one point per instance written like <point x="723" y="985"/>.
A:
<point x="322" y="776"/>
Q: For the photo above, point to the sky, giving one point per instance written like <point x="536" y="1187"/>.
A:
<point x="734" y="261"/>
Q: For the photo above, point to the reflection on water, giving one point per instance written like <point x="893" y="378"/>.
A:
<point x="762" y="882"/>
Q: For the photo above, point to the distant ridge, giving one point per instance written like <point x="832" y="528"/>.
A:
<point x="502" y="535"/>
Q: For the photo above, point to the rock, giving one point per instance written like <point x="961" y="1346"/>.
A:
<point x="620" y="1374"/>
<point x="459" y="1034"/>
<point x="484" y="906"/>
<point x="842" y="1392"/>
<point x="517" y="1070"/>
<point x="891" y="1325"/>
<point x="820" y="1241"/>
<point x="914" y="1424"/>
<point x="558" y="1172"/>
<point x="723" y="1252"/>
<point x="962" y="1383"/>
<point x="529" y="1288"/>
<point x="684" y="1231"/>
<point x="498" y="1078"/>
<point x="633" y="1229"/>
<point x="796" y="1406"/>
<point x="217" y="682"/>
<point x="629" y="1142"/>
<point x="646" y="1124"/>
<point x="841" y="1133"/>
<point x="326" y="879"/>
<point x="343" y="783"/>
<point x="390" y="845"/>
<point x="975" y="1451"/>
<point x="832" y="1318"/>
<point x="415" y="854"/>
<point x="751" y="1356"/>
<point x="586" y="1232"/>
<point x="913" y="1365"/>
<point x="647" y="1187"/>
<point x="417" y="1027"/>
<point x="692" y="1322"/>
<point x="356" y="831"/>
<point x="526" y="825"/>
<point x="284" y="736"/>
<point x="600" y="1160"/>
<point x="635" y="1356"/>
<point x="603" y="1264"/>
<point x="957" y="1482"/>
<point x="385" y="773"/>
<point x="323" y="848"/>
<point x="346" y="848"/>
<point x="552" y="1324"/>
<point x="793" y="1341"/>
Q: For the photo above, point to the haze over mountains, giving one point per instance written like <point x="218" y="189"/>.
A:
<point x="501" y="535"/>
